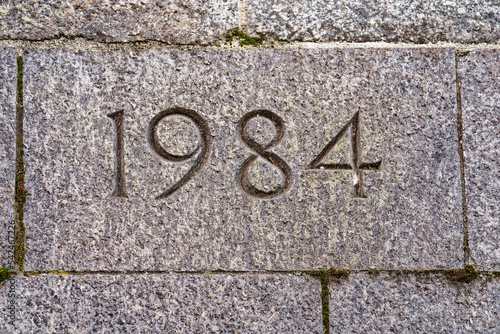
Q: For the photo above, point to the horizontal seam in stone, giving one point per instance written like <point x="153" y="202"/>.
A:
<point x="271" y="272"/>
<point x="80" y="43"/>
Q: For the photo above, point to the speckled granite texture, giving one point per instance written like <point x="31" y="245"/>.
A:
<point x="412" y="303"/>
<point x="480" y="78"/>
<point x="8" y="78"/>
<point x="178" y="22"/>
<point x="423" y="21"/>
<point x="155" y="303"/>
<point x="207" y="21"/>
<point x="411" y="218"/>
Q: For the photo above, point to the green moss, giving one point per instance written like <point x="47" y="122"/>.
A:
<point x="325" y="276"/>
<point x="5" y="273"/>
<point x="423" y="272"/>
<point x="332" y="272"/>
<point x="462" y="53"/>
<point x="325" y="305"/>
<point x="491" y="274"/>
<point x="59" y="272"/>
<point x="465" y="275"/>
<point x="243" y="38"/>
<point x="20" y="193"/>
<point x="20" y="69"/>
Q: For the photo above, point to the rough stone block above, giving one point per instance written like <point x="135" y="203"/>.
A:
<point x="414" y="303"/>
<point x="480" y="87"/>
<point x="8" y="90"/>
<point x="154" y="303"/>
<point x="176" y="22"/>
<point x="242" y="160"/>
<point x="424" y="21"/>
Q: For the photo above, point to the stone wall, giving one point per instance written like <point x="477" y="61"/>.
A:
<point x="250" y="166"/>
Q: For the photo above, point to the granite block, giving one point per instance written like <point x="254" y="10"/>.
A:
<point x="156" y="303"/>
<point x="414" y="303"/>
<point x="177" y="22"/>
<point x="248" y="128"/>
<point x="480" y="87"/>
<point x="424" y="21"/>
<point x="8" y="89"/>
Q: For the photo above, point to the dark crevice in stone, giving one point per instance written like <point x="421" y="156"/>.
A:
<point x="5" y="274"/>
<point x="20" y="193"/>
<point x="466" y="275"/>
<point x="465" y="222"/>
<point x="325" y="305"/>
<point x="325" y="276"/>
<point x="243" y="39"/>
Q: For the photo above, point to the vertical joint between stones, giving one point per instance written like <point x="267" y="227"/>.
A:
<point x="465" y="221"/>
<point x="325" y="304"/>
<point x="20" y="193"/>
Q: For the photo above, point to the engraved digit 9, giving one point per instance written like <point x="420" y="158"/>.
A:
<point x="263" y="153"/>
<point x="203" y="147"/>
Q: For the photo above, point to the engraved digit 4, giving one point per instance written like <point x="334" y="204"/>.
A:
<point x="263" y="153"/>
<point x="203" y="147"/>
<point x="356" y="167"/>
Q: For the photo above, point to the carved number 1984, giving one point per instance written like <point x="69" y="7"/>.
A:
<point x="203" y="152"/>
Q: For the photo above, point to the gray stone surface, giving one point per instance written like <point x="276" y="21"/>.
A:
<point x="412" y="303"/>
<point x="8" y="77"/>
<point x="154" y="303"/>
<point x="424" y="21"/>
<point x="411" y="217"/>
<point x="179" y="22"/>
<point x="480" y="81"/>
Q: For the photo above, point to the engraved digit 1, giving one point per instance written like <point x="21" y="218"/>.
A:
<point x="120" y="189"/>
<point x="203" y="147"/>
<point x="263" y="153"/>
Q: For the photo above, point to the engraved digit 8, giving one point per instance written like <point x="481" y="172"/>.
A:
<point x="261" y="151"/>
<point x="203" y="147"/>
